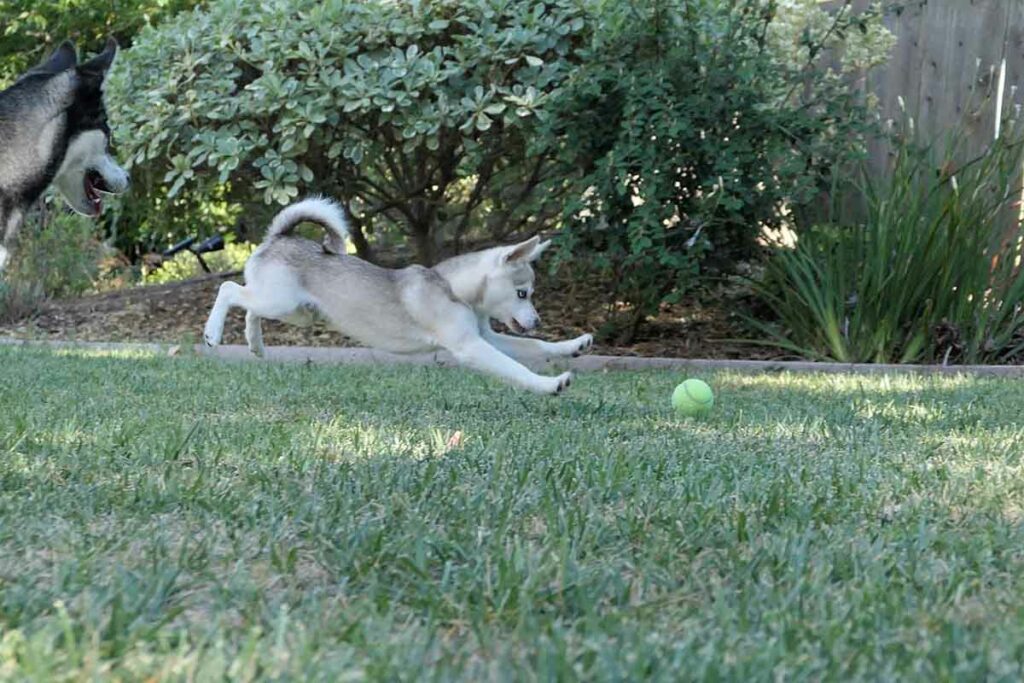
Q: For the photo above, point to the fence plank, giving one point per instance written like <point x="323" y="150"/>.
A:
<point x="946" y="62"/>
<point x="945" y="68"/>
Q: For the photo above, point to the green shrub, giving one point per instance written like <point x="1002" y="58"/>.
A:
<point x="19" y="300"/>
<point x="55" y="255"/>
<point x="185" y="265"/>
<point x="422" y="113"/>
<point x="928" y="277"/>
<point x="29" y="29"/>
<point x="662" y="135"/>
<point x="59" y="252"/>
<point x="145" y="220"/>
<point x="693" y="124"/>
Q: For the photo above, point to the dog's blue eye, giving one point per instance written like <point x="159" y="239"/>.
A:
<point x="522" y="293"/>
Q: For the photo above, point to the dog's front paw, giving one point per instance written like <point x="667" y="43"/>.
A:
<point x="582" y="344"/>
<point x="211" y="336"/>
<point x="560" y="383"/>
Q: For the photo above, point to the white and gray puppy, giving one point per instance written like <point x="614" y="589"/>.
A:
<point x="408" y="310"/>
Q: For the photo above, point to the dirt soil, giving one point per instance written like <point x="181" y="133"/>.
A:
<point x="175" y="313"/>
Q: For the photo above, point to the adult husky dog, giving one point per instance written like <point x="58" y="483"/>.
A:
<point x="414" y="309"/>
<point x="53" y="129"/>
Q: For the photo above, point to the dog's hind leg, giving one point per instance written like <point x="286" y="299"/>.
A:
<point x="254" y="334"/>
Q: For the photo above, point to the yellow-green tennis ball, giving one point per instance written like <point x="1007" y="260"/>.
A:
<point x="693" y="397"/>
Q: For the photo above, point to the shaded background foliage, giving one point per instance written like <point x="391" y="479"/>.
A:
<point x="418" y="116"/>
<point x="32" y="28"/>
<point x="662" y="136"/>
<point x="694" y="127"/>
<point x="658" y="139"/>
<point x="929" y="276"/>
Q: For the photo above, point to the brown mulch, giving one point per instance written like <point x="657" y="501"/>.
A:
<point x="176" y="313"/>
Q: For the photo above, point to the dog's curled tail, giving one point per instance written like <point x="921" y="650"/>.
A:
<point x="319" y="210"/>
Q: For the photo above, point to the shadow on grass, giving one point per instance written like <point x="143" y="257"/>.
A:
<point x="407" y="400"/>
<point x="228" y="494"/>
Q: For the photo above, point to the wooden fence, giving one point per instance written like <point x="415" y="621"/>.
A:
<point x="957" y="68"/>
<point x="949" y="55"/>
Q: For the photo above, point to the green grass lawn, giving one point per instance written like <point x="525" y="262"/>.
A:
<point x="187" y="519"/>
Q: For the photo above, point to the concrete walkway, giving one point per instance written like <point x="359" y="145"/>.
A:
<point x="589" y="363"/>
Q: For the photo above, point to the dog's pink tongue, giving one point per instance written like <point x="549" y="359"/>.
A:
<point x="93" y="196"/>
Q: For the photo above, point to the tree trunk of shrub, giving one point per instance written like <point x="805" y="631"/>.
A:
<point x="424" y="241"/>
<point x="359" y="240"/>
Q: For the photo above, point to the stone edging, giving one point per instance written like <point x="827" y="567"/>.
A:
<point x="589" y="363"/>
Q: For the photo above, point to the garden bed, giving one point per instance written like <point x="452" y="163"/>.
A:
<point x="176" y="312"/>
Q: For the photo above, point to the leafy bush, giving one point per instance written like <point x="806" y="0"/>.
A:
<point x="422" y="113"/>
<point x="928" y="277"/>
<point x="185" y="265"/>
<point x="56" y="255"/>
<point x="145" y="220"/>
<point x="19" y="300"/>
<point x="694" y="123"/>
<point x="801" y="30"/>
<point x="30" y="28"/>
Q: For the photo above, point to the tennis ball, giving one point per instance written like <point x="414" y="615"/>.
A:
<point x="693" y="397"/>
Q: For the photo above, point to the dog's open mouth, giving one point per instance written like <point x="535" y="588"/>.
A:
<point x="514" y="325"/>
<point x="95" y="186"/>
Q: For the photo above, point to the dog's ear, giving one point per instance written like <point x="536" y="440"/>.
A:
<point x="98" y="65"/>
<point x="62" y="59"/>
<point x="522" y="252"/>
<point x="540" y="250"/>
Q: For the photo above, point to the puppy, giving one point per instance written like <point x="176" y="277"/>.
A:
<point x="409" y="310"/>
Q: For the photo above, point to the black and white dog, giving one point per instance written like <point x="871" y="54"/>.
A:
<point x="53" y="129"/>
